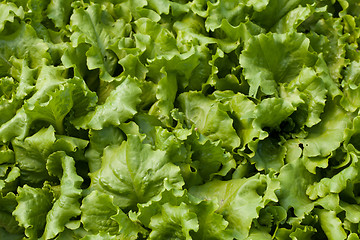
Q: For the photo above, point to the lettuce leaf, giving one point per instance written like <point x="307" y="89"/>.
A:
<point x="174" y="119"/>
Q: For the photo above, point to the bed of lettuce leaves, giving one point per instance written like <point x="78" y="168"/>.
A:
<point x="159" y="119"/>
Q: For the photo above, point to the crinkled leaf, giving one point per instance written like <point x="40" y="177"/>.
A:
<point x="33" y="206"/>
<point x="232" y="197"/>
<point x="67" y="205"/>
<point x="292" y="191"/>
<point x="173" y="222"/>
<point x="127" y="228"/>
<point x="99" y="140"/>
<point x="274" y="58"/>
<point x="59" y="12"/>
<point x="26" y="44"/>
<point x="210" y="118"/>
<point x="8" y="12"/>
<point x="331" y="224"/>
<point x="97" y="27"/>
<point x="118" y="107"/>
<point x="134" y="173"/>
<point x="31" y="155"/>
<point x="97" y="209"/>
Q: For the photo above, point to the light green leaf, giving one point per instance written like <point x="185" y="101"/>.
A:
<point x="210" y="118"/>
<point x="67" y="205"/>
<point x="232" y="198"/>
<point x="118" y="107"/>
<point x="134" y="173"/>
<point x="8" y="11"/>
<point x="96" y="212"/>
<point x="212" y="225"/>
<point x="127" y="228"/>
<point x="293" y="19"/>
<point x="99" y="140"/>
<point x="269" y="59"/>
<point x="270" y="112"/>
<point x="33" y="205"/>
<point x="97" y="27"/>
<point x="174" y="222"/>
<point x="52" y="110"/>
<point x="26" y="44"/>
<point x="59" y="12"/>
<point x="31" y="155"/>
<point x="331" y="225"/>
<point x="293" y="191"/>
<point x="350" y="99"/>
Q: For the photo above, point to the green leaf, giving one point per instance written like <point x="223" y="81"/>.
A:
<point x="53" y="110"/>
<point x="327" y="38"/>
<point x="32" y="153"/>
<point x="99" y="236"/>
<point x="166" y="94"/>
<point x="325" y="137"/>
<point x="33" y="206"/>
<point x="232" y="198"/>
<point x="97" y="27"/>
<point x="270" y="112"/>
<point x="210" y="118"/>
<point x="99" y="140"/>
<point x="24" y="75"/>
<point x="350" y="99"/>
<point x="118" y="107"/>
<point x="67" y="205"/>
<point x="313" y="93"/>
<point x="133" y="67"/>
<point x="212" y="225"/>
<point x="209" y="159"/>
<point x="97" y="209"/>
<point x="8" y="12"/>
<point x="59" y="12"/>
<point x="127" y="228"/>
<point x="269" y="59"/>
<point x="134" y="173"/>
<point x="174" y="222"/>
<point x="293" y="19"/>
<point x="335" y="184"/>
<point x="233" y="11"/>
<point x="331" y="224"/>
<point x="292" y="191"/>
<point x="159" y="41"/>
<point x="243" y="110"/>
<point x="160" y="6"/>
<point x="269" y="155"/>
<point x="26" y="44"/>
<point x="6" y="155"/>
<point x="274" y="11"/>
<point x="8" y="222"/>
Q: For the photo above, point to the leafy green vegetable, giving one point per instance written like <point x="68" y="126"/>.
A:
<point x="174" y="119"/>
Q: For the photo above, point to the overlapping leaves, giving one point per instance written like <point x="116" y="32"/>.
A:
<point x="159" y="119"/>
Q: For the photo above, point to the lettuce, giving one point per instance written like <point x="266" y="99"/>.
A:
<point x="175" y="119"/>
